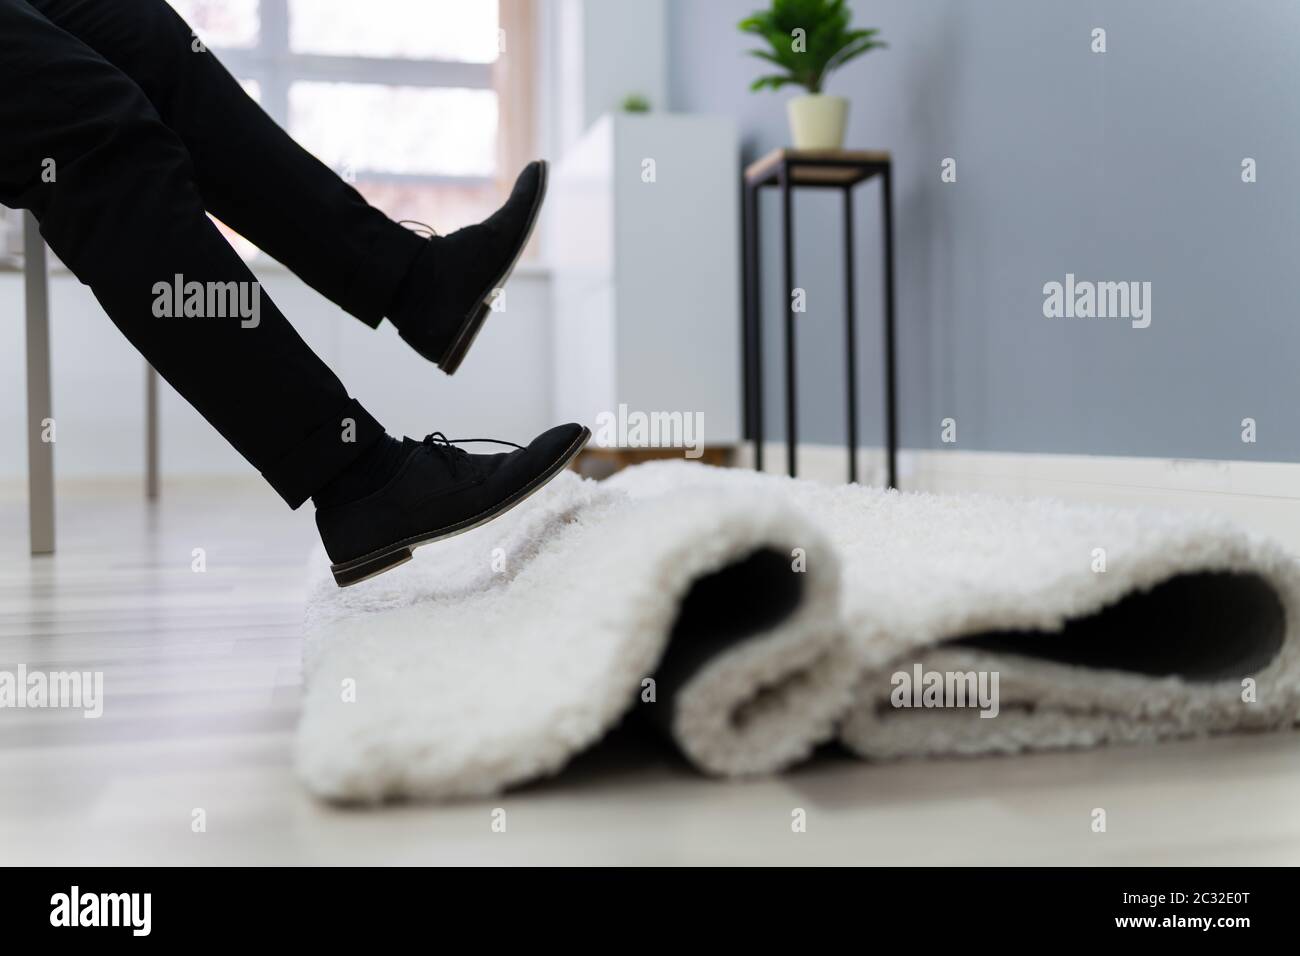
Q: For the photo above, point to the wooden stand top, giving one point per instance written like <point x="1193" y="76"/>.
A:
<point x="818" y="167"/>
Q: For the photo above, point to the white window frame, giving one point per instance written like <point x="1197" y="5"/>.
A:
<point x="275" y="67"/>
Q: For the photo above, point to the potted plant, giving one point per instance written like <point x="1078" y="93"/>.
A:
<point x="635" y="103"/>
<point x="808" y="40"/>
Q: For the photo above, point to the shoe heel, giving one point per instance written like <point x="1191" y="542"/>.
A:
<point x="354" y="572"/>
<point x="460" y="348"/>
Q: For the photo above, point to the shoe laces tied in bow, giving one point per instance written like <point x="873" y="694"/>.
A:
<point x="454" y="455"/>
<point x="420" y="228"/>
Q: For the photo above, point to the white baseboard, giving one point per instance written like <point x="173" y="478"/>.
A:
<point x="1263" y="496"/>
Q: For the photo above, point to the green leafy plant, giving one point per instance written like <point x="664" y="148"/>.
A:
<point x="809" y="39"/>
<point x="635" y="103"/>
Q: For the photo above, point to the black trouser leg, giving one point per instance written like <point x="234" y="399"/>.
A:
<point x="113" y="187"/>
<point x="250" y="173"/>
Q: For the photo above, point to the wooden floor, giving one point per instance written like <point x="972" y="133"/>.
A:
<point x="202" y="681"/>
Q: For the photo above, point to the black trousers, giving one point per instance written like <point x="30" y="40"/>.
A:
<point x="118" y="136"/>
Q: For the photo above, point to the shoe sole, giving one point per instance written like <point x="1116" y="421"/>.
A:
<point x="460" y="345"/>
<point x="348" y="573"/>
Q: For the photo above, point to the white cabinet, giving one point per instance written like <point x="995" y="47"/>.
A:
<point x="645" y="248"/>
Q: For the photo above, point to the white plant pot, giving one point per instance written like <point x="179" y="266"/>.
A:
<point x="817" y="121"/>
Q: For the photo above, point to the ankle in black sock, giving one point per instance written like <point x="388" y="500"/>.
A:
<point x="369" y="472"/>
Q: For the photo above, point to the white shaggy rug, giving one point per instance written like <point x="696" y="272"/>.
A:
<point x="755" y="617"/>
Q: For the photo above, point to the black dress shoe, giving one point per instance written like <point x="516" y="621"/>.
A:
<point x="439" y="491"/>
<point x="461" y="272"/>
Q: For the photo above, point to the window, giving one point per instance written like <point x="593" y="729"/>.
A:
<point x="410" y="100"/>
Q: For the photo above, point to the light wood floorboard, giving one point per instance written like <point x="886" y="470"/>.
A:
<point x="202" y="678"/>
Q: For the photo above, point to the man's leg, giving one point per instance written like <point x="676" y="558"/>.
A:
<point x="256" y="179"/>
<point x="250" y="173"/>
<point x="112" y="186"/>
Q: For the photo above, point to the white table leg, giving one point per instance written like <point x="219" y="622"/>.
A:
<point x="150" y="432"/>
<point x="40" y="409"/>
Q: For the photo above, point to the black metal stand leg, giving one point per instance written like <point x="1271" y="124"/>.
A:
<point x="753" y="330"/>
<point x="746" y="376"/>
<point x="850" y="337"/>
<point x="891" y="411"/>
<point x="791" y="417"/>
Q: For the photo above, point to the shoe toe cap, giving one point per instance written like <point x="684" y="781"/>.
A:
<point x="558" y="441"/>
<point x="529" y="178"/>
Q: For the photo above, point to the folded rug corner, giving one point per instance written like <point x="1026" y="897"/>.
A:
<point x="495" y="657"/>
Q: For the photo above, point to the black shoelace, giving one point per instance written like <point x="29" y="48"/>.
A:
<point x="454" y="455"/>
<point x="425" y="230"/>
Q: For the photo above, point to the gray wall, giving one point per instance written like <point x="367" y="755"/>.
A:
<point x="1117" y="166"/>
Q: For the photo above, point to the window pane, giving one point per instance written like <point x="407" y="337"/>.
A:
<point x="464" y="30"/>
<point x="396" y="129"/>
<point x="228" y="23"/>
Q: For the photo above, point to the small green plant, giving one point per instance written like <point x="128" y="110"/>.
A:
<point x="635" y="103"/>
<point x="809" y="39"/>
